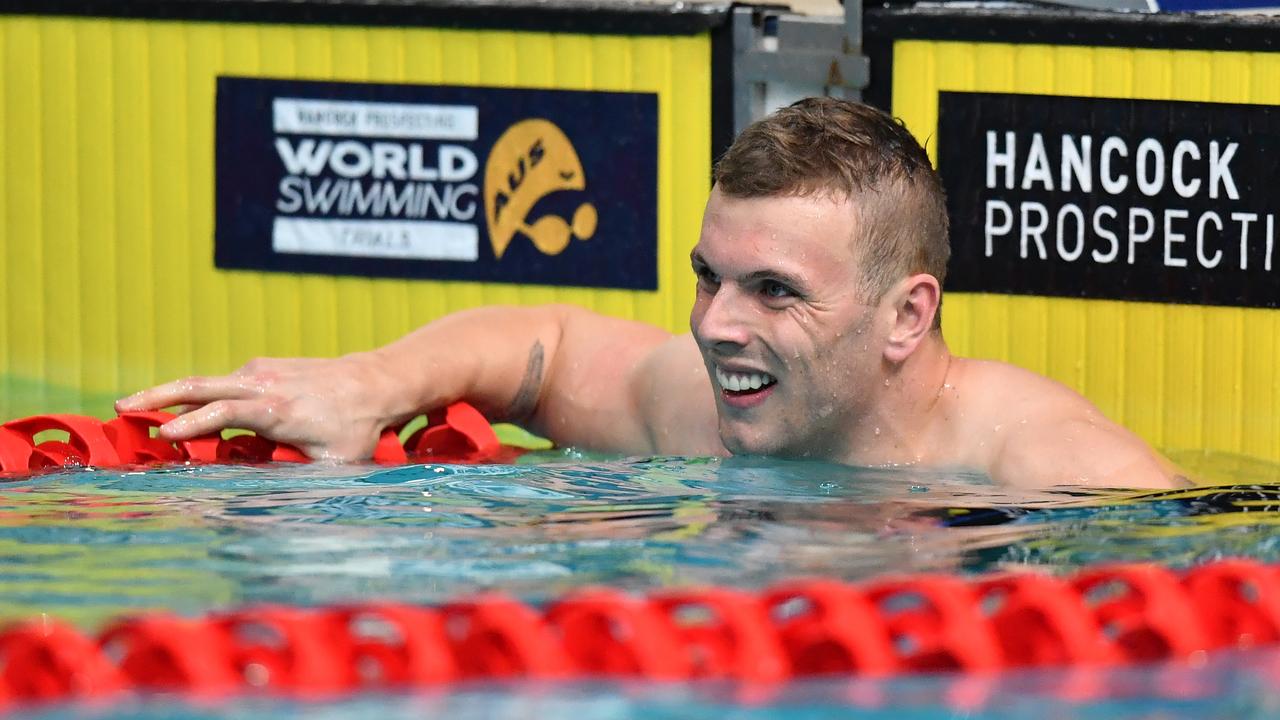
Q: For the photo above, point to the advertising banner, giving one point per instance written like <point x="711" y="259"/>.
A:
<point x="550" y="187"/>
<point x="1163" y="201"/>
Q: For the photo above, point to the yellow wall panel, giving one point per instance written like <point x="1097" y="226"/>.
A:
<point x="5" y="300"/>
<point x="23" y="146"/>
<point x="132" y="124"/>
<point x="1184" y="377"/>
<point x="107" y="189"/>
<point x="60" y="231"/>
<point x="100" y="320"/>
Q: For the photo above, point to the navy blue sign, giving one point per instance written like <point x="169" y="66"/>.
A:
<point x="1162" y="201"/>
<point x="549" y="187"/>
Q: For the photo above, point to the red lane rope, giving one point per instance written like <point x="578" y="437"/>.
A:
<point x="455" y="434"/>
<point x="1100" y="618"/>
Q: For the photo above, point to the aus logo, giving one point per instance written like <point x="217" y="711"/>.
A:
<point x="531" y="160"/>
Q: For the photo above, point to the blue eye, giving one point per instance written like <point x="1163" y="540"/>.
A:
<point x="774" y="289"/>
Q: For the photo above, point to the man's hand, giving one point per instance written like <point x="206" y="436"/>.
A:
<point x="575" y="376"/>
<point x="331" y="409"/>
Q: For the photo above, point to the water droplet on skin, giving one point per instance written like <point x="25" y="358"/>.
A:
<point x="877" y="432"/>
<point x="886" y="382"/>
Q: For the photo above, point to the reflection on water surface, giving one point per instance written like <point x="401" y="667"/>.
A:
<point x="88" y="544"/>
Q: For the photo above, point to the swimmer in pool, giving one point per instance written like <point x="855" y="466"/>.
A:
<point x="814" y="334"/>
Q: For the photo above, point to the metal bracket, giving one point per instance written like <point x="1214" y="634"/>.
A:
<point x="780" y="57"/>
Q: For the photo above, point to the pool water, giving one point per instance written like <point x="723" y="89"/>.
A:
<point x="87" y="545"/>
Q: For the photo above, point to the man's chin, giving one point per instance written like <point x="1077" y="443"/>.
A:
<point x="751" y="441"/>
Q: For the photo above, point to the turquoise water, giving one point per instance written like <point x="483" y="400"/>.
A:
<point x="88" y="545"/>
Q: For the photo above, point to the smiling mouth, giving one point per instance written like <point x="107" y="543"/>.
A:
<point x="740" y="384"/>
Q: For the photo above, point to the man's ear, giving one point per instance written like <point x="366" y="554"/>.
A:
<point x="913" y="303"/>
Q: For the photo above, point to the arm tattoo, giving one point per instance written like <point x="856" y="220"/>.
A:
<point x="526" y="400"/>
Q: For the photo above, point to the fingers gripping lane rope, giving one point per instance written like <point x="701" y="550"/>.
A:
<point x="456" y="434"/>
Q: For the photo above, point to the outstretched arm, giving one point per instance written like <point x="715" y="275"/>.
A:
<point x="559" y="369"/>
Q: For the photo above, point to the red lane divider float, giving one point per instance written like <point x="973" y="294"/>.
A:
<point x="456" y="434"/>
<point x="1097" y="620"/>
<point x="1100" y="618"/>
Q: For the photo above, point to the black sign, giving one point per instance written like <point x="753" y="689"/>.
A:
<point x="456" y="183"/>
<point x="1120" y="199"/>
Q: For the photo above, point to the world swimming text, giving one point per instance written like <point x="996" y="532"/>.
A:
<point x="377" y="179"/>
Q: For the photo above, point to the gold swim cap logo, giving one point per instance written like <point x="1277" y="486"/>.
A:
<point x="531" y="160"/>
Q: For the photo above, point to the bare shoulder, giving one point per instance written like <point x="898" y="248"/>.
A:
<point x="675" y="398"/>
<point x="600" y="378"/>
<point x="999" y="384"/>
<point x="1040" y="432"/>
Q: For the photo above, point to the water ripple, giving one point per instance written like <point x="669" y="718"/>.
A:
<point x="89" y="544"/>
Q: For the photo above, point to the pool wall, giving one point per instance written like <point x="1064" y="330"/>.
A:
<point x="115" y="199"/>
<point x="108" y="185"/>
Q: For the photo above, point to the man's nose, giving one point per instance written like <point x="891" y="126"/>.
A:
<point x="725" y="318"/>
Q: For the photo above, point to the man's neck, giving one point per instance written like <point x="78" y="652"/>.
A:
<point x="900" y="423"/>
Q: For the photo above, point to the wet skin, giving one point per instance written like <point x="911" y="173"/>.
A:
<point x="779" y="293"/>
<point x="831" y="372"/>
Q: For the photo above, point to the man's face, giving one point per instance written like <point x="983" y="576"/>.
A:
<point x="791" y="345"/>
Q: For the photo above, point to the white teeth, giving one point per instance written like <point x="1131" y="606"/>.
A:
<point x="738" y="382"/>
